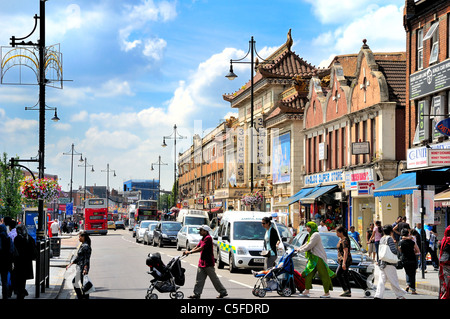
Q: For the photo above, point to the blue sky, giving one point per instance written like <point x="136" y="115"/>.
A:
<point x="137" y="67"/>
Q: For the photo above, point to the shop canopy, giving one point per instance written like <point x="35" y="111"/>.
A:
<point x="302" y="193"/>
<point x="442" y="199"/>
<point x="310" y="197"/>
<point x="403" y="184"/>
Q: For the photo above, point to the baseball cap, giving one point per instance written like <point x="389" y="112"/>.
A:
<point x="205" y="227"/>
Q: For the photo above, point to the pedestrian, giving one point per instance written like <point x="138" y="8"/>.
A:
<point x="388" y="270"/>
<point x="271" y="242"/>
<point x="399" y="227"/>
<point x="344" y="260"/>
<point x="376" y="236"/>
<point x="83" y="262"/>
<point x="408" y="251"/>
<point x="206" y="265"/>
<point x="444" y="266"/>
<point x="23" y="261"/>
<point x="353" y="233"/>
<point x="317" y="262"/>
<point x="370" y="242"/>
<point x="54" y="227"/>
<point x="301" y="227"/>
<point x="432" y="246"/>
<point x="322" y="227"/>
<point x="5" y="260"/>
<point x="394" y="227"/>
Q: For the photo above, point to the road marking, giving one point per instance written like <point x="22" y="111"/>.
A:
<point x="240" y="283"/>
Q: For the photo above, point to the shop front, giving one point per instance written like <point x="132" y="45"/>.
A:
<point x="323" y="198"/>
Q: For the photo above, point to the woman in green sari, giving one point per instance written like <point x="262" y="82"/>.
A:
<point x="317" y="262"/>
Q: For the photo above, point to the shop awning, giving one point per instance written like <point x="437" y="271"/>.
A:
<point x="316" y="193"/>
<point x="442" y="199"/>
<point x="302" y="193"/>
<point x="403" y="184"/>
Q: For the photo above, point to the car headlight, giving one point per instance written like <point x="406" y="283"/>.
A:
<point x="241" y="250"/>
<point x="164" y="235"/>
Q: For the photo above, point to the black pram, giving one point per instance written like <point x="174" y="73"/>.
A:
<point x="167" y="279"/>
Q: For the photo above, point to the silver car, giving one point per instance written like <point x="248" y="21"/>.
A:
<point x="188" y="237"/>
<point x="148" y="234"/>
<point x="143" y="226"/>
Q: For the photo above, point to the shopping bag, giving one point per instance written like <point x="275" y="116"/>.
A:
<point x="88" y="286"/>
<point x="385" y="254"/>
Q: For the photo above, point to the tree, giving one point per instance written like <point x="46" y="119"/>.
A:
<point x="10" y="195"/>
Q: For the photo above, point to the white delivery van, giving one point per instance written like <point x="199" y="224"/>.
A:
<point x="239" y="240"/>
<point x="193" y="217"/>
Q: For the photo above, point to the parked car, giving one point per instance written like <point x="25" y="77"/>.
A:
<point x="188" y="237"/>
<point x="148" y="234"/>
<point x="361" y="263"/>
<point x="120" y="224"/>
<point x="165" y="233"/>
<point x="140" y="230"/>
<point x="111" y="225"/>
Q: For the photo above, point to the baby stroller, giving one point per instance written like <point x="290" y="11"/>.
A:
<point x="167" y="279"/>
<point x="279" y="278"/>
<point x="361" y="281"/>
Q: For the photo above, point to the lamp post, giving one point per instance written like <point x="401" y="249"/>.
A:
<point x="231" y="76"/>
<point x="72" y="153"/>
<point x="159" y="163"/>
<point x="174" y="136"/>
<point x="92" y="170"/>
<point x="107" y="184"/>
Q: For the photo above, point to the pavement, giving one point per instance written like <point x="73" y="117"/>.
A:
<point x="69" y="244"/>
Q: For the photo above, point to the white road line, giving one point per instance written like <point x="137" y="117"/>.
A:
<point x="240" y="283"/>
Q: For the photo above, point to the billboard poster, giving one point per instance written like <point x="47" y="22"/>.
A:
<point x="31" y="222"/>
<point x="281" y="158"/>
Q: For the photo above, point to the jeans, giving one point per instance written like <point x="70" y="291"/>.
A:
<point x="410" y="271"/>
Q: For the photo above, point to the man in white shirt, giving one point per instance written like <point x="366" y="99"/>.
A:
<point x="55" y="228"/>
<point x="322" y="227"/>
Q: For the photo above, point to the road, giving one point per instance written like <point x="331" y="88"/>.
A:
<point x="118" y="271"/>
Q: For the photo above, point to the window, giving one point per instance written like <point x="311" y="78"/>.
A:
<point x="433" y="34"/>
<point x="419" y="46"/>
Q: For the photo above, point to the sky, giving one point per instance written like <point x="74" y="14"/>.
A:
<point x="133" y="69"/>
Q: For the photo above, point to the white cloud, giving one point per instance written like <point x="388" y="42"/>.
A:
<point x="80" y="117"/>
<point x="376" y="25"/>
<point x="113" y="88"/>
<point x="154" y="48"/>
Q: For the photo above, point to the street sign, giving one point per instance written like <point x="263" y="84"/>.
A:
<point x="69" y="209"/>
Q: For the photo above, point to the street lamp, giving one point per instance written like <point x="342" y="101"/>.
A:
<point x="174" y="136"/>
<point x="231" y="76"/>
<point x="107" y="184"/>
<point x="72" y="153"/>
<point x="159" y="163"/>
<point x="92" y="170"/>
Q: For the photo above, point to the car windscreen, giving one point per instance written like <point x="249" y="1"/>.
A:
<point x="193" y="220"/>
<point x="171" y="227"/>
<point x="330" y="241"/>
<point x="193" y="230"/>
<point x="145" y="224"/>
<point x="248" y="230"/>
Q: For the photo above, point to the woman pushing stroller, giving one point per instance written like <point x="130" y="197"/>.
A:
<point x="317" y="257"/>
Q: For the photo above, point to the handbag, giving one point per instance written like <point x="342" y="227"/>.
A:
<point x="88" y="286"/>
<point x="385" y="254"/>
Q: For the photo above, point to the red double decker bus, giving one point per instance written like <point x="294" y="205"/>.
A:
<point x="95" y="216"/>
<point x="146" y="210"/>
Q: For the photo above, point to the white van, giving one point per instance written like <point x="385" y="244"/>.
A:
<point x="239" y="239"/>
<point x="193" y="217"/>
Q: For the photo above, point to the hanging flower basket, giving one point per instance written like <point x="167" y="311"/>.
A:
<point x="42" y="188"/>
<point x="252" y="199"/>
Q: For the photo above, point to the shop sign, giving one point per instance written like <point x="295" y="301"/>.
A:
<point x="444" y="127"/>
<point x="433" y="79"/>
<point x="428" y="204"/>
<point x="360" y="148"/>
<point x="420" y="157"/>
<point x="352" y="178"/>
<point x="326" y="177"/>
<point x="366" y="188"/>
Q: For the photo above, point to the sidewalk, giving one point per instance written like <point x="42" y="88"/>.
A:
<point x="69" y="243"/>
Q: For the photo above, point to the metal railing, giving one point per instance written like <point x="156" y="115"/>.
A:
<point x="42" y="278"/>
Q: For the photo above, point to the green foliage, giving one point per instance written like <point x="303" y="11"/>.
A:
<point x="10" y="195"/>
